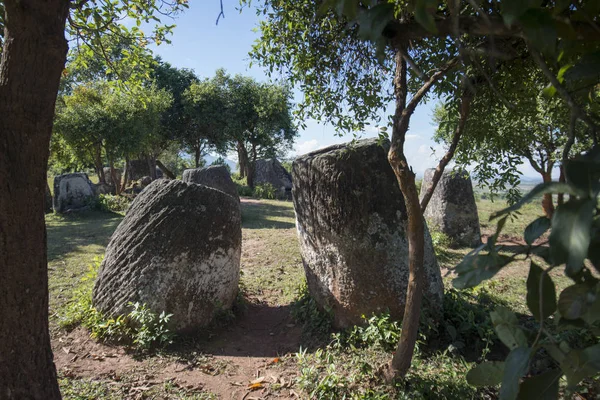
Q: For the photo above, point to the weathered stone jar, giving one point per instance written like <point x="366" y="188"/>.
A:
<point x="351" y="222"/>
<point x="215" y="176"/>
<point x="72" y="192"/>
<point x="177" y="250"/>
<point x="452" y="208"/>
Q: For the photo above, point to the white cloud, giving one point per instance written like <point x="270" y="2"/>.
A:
<point x="306" y="146"/>
<point x="410" y="137"/>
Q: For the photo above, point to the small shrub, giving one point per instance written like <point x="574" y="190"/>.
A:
<point x="242" y="186"/>
<point x="141" y="328"/>
<point x="316" y="322"/>
<point x="111" y="203"/>
<point x="265" y="191"/>
<point x="379" y="331"/>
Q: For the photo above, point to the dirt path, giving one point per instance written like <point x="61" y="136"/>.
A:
<point x="256" y="347"/>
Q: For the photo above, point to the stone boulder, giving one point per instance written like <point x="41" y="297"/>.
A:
<point x="103" y="188"/>
<point x="108" y="178"/>
<point x="271" y="171"/>
<point x="137" y="169"/>
<point x="215" y="176"/>
<point x="177" y="250"/>
<point x="145" y="181"/>
<point x="352" y="223"/>
<point x="452" y="208"/>
<point x="72" y="192"/>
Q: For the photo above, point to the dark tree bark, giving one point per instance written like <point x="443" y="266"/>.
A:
<point x="402" y="358"/>
<point x="544" y="168"/>
<point x="250" y="167"/>
<point x="33" y="58"/>
<point x="98" y="164"/>
<point x="547" y="202"/>
<point x="125" y="173"/>
<point x="242" y="159"/>
<point x="165" y="170"/>
<point x="197" y="156"/>
<point x="464" y="110"/>
<point x="113" y="177"/>
<point x="151" y="166"/>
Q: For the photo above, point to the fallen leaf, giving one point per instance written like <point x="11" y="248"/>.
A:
<point x="66" y="350"/>
<point x="255" y="386"/>
<point x="258" y="380"/>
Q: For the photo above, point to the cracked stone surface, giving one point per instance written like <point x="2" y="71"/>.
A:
<point x="351" y="221"/>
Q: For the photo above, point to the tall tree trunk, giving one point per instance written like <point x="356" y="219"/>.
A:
<point x="125" y="174"/>
<point x="165" y="170"/>
<point x="33" y="58"/>
<point x="547" y="202"/>
<point x="197" y="156"/>
<point x="242" y="159"/>
<point x="99" y="165"/>
<point x="113" y="176"/>
<point x="464" y="110"/>
<point x="151" y="166"/>
<point x="561" y="197"/>
<point x="250" y="166"/>
<point x="402" y="358"/>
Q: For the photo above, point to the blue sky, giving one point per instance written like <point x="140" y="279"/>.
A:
<point x="198" y="43"/>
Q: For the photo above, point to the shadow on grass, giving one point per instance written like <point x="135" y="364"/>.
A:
<point x="266" y="215"/>
<point x="70" y="232"/>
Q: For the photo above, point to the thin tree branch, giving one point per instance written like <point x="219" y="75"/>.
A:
<point x="575" y="108"/>
<point x="416" y="99"/>
<point x="221" y="14"/>
<point x="464" y="110"/>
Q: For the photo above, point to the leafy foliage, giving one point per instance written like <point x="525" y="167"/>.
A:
<point x="111" y="203"/>
<point x="573" y="230"/>
<point x="141" y="328"/>
<point x="265" y="191"/>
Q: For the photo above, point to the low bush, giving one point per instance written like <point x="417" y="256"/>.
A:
<point x="265" y="191"/>
<point x="242" y="185"/>
<point x="111" y="203"/>
<point x="141" y="328"/>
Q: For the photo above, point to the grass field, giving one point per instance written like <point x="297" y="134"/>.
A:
<point x="267" y="337"/>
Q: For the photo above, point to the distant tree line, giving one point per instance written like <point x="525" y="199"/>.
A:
<point x="173" y="115"/>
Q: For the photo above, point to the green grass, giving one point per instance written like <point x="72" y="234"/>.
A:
<point x="514" y="227"/>
<point x="74" y="241"/>
<point x="127" y="388"/>
<point x="344" y="364"/>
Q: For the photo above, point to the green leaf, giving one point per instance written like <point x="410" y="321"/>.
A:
<point x="581" y="364"/>
<point x="373" y="21"/>
<point x="424" y="14"/>
<point x="541" y="387"/>
<point x="474" y="269"/>
<point x="488" y="373"/>
<point x="536" y="229"/>
<point x="543" y="188"/>
<point x="570" y="236"/>
<point x="513" y="9"/>
<point x="506" y="326"/>
<point x="548" y="294"/>
<point x="574" y="301"/>
<point x="516" y="366"/>
<point x="539" y="28"/>
<point x="584" y="174"/>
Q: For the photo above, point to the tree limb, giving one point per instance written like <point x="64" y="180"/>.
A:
<point x="472" y="25"/>
<point x="575" y="108"/>
<point x="464" y="110"/>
